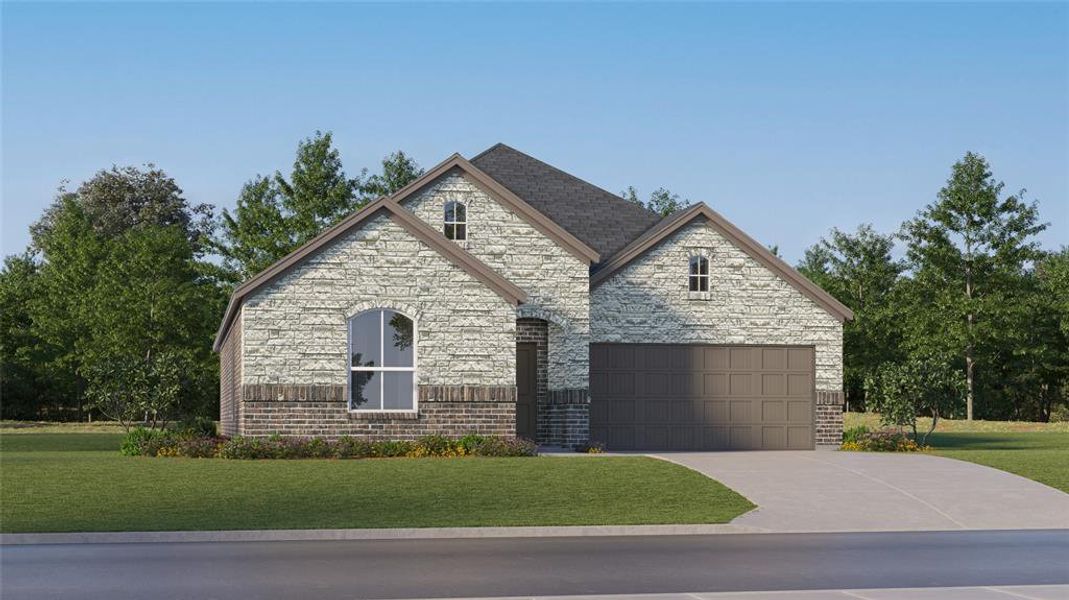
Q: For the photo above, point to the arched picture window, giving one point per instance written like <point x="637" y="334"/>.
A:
<point x="699" y="274"/>
<point x="456" y="221"/>
<point x="382" y="361"/>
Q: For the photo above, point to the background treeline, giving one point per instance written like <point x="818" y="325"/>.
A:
<point x="113" y="307"/>
<point x="964" y="287"/>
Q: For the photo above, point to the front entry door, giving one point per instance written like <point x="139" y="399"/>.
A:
<point x="526" y="390"/>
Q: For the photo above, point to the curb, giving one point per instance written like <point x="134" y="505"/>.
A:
<point x="296" y="535"/>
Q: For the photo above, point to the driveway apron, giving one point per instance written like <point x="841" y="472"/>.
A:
<point x="853" y="491"/>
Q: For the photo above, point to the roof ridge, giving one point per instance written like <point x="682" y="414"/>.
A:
<point x="491" y="148"/>
<point x="561" y="171"/>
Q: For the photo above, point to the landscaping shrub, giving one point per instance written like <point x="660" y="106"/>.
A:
<point x="141" y="441"/>
<point x="590" y="448"/>
<point x="180" y="444"/>
<point x="198" y="426"/>
<point x="348" y="447"/>
<point x="854" y="434"/>
<point x="885" y="440"/>
<point x="496" y="446"/>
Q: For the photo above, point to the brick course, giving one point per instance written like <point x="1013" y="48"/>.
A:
<point x="309" y="411"/>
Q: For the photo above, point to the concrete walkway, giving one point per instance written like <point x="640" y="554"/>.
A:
<point x="1028" y="592"/>
<point x="1025" y="592"/>
<point x="858" y="491"/>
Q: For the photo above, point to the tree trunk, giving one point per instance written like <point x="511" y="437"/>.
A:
<point x="968" y="334"/>
<point x="968" y="383"/>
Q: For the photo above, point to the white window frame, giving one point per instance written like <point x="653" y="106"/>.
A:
<point x="446" y="223"/>
<point x="699" y="276"/>
<point x="382" y="354"/>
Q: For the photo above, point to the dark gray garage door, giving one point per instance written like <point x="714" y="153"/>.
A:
<point x="701" y="397"/>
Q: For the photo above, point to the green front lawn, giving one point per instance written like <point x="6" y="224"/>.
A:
<point x="79" y="482"/>
<point x="1041" y="456"/>
<point x="1038" y="451"/>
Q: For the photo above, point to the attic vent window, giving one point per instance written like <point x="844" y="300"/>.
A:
<point x="699" y="274"/>
<point x="456" y="221"/>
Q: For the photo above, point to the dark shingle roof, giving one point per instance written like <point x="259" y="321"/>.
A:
<point x="602" y="220"/>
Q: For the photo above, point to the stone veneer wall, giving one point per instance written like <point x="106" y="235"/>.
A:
<point x="294" y="333"/>
<point x="557" y="283"/>
<point x="649" y="301"/>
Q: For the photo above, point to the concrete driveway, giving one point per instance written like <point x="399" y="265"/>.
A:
<point x="856" y="491"/>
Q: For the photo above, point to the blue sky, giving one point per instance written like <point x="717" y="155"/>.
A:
<point x="788" y="119"/>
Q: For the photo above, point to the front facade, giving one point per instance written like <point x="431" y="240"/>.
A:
<point x="502" y="296"/>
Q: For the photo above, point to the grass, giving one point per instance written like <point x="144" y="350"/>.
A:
<point x="872" y="421"/>
<point x="12" y="427"/>
<point x="1038" y="451"/>
<point x="79" y="482"/>
<point x="1040" y="456"/>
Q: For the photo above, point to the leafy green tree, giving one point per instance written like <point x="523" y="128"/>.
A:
<point x="317" y="193"/>
<point x="858" y="270"/>
<point x="150" y="320"/>
<point x="256" y="234"/>
<point x="661" y="201"/>
<point x="122" y="198"/>
<point x="965" y="252"/>
<point x="25" y="390"/>
<point x="1031" y="359"/>
<point x="398" y="170"/>
<point x="78" y="303"/>
<point x="916" y="387"/>
<point x="275" y="215"/>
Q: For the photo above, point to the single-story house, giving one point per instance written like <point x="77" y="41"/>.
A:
<point x="503" y="296"/>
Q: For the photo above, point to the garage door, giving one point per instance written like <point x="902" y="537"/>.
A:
<point x="701" y="397"/>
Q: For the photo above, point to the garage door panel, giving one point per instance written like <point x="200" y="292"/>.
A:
<point x="622" y="384"/>
<point x="657" y="410"/>
<point x="740" y="384"/>
<point x="716" y="411"/>
<point x="687" y="385"/>
<point x="799" y="438"/>
<point x="655" y="384"/>
<point x="799" y="359"/>
<point x="799" y="384"/>
<point x="656" y="436"/>
<point x="739" y="411"/>
<point x="799" y="411"/>
<point x="701" y="397"/>
<point x="741" y="438"/>
<point x="742" y="359"/>
<point x="715" y="359"/>
<point x="716" y="384"/>
<point x="773" y="359"/>
<point x="773" y="437"/>
<point x="622" y="410"/>
<point x="773" y="411"/>
<point x="716" y="438"/>
<point x="773" y="384"/>
<point x="623" y="438"/>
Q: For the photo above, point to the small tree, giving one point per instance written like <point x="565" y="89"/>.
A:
<point x="129" y="389"/>
<point x="917" y="387"/>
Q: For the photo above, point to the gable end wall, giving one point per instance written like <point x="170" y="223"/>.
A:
<point x="557" y="283"/>
<point x="294" y="371"/>
<point x="648" y="301"/>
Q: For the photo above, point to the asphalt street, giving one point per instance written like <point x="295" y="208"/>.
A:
<point x="538" y="566"/>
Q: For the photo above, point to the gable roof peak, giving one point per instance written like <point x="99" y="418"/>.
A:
<point x="602" y="220"/>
